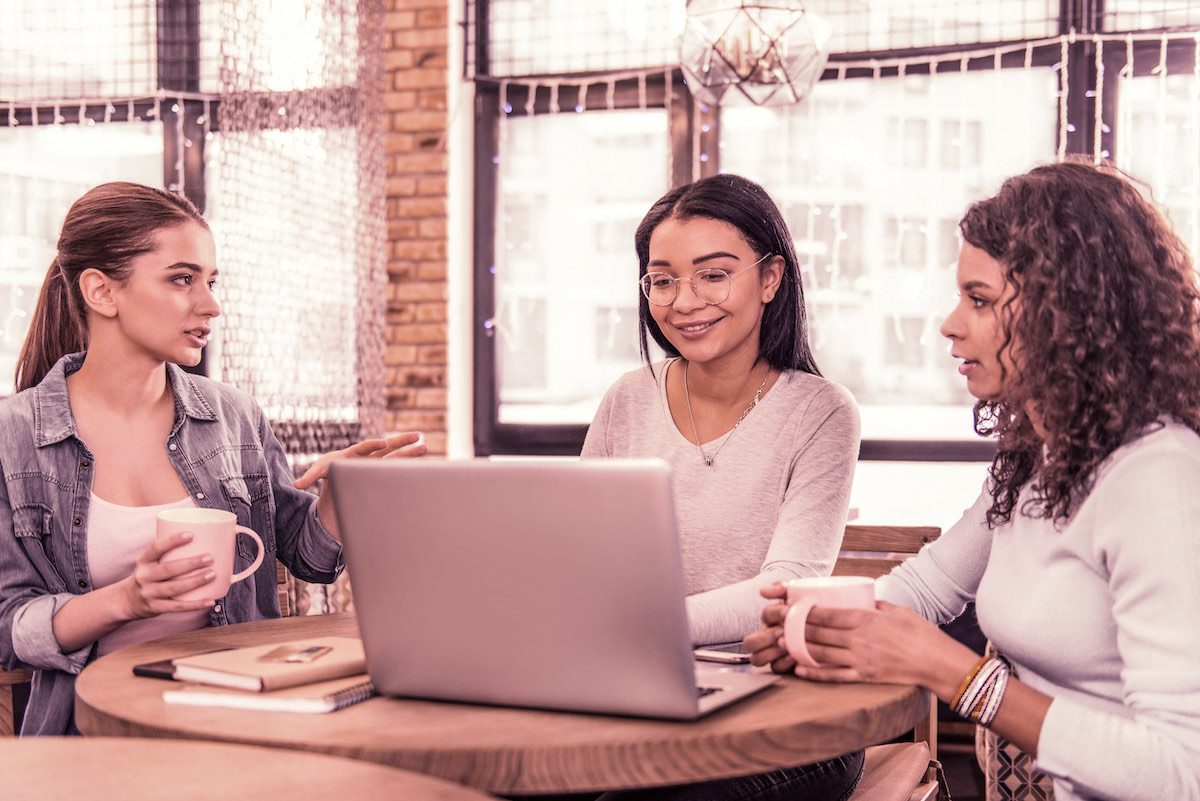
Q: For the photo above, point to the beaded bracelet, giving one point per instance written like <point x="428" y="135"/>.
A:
<point x="979" y="697"/>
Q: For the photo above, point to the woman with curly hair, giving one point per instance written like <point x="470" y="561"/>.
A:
<point x="1078" y="329"/>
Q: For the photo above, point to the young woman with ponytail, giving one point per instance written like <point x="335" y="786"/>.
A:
<point x="106" y="430"/>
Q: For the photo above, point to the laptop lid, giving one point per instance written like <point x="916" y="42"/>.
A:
<point x="545" y="583"/>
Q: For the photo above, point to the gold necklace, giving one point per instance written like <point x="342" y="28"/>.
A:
<point x="708" y="458"/>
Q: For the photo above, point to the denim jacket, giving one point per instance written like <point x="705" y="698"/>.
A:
<point x="223" y="450"/>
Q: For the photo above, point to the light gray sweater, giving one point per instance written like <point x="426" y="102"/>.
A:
<point x="1100" y="613"/>
<point x="773" y="505"/>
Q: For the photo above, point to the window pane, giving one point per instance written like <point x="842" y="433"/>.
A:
<point x="1132" y="15"/>
<point x="530" y="37"/>
<point x="65" y="48"/>
<point x="1158" y="141"/>
<point x="573" y="188"/>
<point x="872" y="177"/>
<point x="43" y="170"/>
<point x="860" y="25"/>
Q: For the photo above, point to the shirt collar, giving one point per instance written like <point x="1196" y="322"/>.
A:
<point x="52" y="405"/>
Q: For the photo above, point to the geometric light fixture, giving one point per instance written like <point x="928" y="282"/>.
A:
<point x="769" y="52"/>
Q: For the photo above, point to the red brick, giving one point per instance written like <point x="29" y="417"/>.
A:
<point x="420" y="78"/>
<point x="405" y="228"/>
<point x="399" y="20"/>
<point x="405" y="101"/>
<point x="431" y="18"/>
<point x="432" y="228"/>
<point x="432" y="354"/>
<point x="421" y="206"/>
<point x="420" y="251"/>
<point x="431" y="312"/>
<point x="400" y="354"/>
<point x="421" y="333"/>
<point x="418" y="164"/>
<point x="431" y="398"/>
<point x="420" y="290"/>
<point x="401" y="270"/>
<point x="418" y="121"/>
<point x="431" y="270"/>
<point x="427" y="38"/>
<point x="432" y="185"/>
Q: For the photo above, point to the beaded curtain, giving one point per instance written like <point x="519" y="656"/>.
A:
<point x="297" y="205"/>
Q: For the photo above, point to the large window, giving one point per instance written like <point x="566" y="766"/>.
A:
<point x="268" y="117"/>
<point x="923" y="107"/>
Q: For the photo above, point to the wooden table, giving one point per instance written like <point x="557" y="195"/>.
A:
<point x="131" y="769"/>
<point x="498" y="749"/>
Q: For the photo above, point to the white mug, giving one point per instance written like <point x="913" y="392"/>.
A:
<point x="214" y="532"/>
<point x="847" y="592"/>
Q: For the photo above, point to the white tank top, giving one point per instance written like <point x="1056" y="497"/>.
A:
<point x="116" y="537"/>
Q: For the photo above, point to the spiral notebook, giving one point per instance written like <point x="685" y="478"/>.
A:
<point x="321" y="696"/>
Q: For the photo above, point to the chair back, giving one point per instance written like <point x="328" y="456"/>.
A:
<point x="874" y="550"/>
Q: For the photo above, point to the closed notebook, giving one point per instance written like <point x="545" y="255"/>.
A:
<point x="322" y="696"/>
<point x="276" y="666"/>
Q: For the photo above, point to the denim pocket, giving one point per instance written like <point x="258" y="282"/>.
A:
<point x="33" y="525"/>
<point x="249" y="497"/>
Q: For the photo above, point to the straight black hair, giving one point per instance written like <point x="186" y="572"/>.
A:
<point x="783" y="339"/>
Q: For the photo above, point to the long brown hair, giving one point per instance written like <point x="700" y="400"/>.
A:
<point x="106" y="229"/>
<point x="1103" y="329"/>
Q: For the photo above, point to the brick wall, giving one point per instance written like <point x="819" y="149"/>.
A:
<point x="416" y="360"/>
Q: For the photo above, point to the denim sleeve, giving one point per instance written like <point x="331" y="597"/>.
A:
<point x="28" y="605"/>
<point x="33" y="639"/>
<point x="303" y="545"/>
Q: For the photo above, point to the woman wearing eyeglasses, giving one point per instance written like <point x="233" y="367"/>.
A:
<point x="762" y="448"/>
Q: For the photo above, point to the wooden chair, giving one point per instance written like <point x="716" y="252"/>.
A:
<point x="14" y="692"/>
<point x="285" y="589"/>
<point x="895" y="771"/>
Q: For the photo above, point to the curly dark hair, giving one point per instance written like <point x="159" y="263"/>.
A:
<point x="1103" y="329"/>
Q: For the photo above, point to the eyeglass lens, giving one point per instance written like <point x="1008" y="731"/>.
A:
<point x="710" y="285"/>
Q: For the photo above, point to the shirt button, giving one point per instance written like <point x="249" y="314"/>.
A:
<point x="85" y="463"/>
<point x="77" y="521"/>
<point x="82" y="584"/>
<point x="216" y="607"/>
<point x="172" y="447"/>
<point x="199" y="496"/>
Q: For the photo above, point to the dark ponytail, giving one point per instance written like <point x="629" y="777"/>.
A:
<point x="105" y="230"/>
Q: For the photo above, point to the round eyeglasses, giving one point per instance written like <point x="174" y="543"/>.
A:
<point x="711" y="286"/>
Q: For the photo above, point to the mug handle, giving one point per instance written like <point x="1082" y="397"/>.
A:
<point x="257" y="560"/>
<point x="793" y="632"/>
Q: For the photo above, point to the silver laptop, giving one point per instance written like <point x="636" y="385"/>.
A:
<point x="543" y="583"/>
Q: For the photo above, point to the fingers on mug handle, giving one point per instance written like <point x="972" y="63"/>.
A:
<point x="793" y="632"/>
<point x="257" y="559"/>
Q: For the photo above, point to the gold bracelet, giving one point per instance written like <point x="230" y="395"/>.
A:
<point x="966" y="682"/>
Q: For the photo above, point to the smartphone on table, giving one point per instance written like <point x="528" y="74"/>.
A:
<point x="731" y="652"/>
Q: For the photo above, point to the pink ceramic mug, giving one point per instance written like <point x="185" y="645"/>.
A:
<point x="848" y="592"/>
<point x="214" y="532"/>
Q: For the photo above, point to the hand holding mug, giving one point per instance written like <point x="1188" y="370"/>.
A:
<point x="841" y="592"/>
<point x="213" y="534"/>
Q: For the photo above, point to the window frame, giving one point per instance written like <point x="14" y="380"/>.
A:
<point x="493" y="437"/>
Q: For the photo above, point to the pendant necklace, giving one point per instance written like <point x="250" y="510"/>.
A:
<point x="709" y="457"/>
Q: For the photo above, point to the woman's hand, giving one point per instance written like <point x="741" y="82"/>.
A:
<point x="764" y="645"/>
<point x="886" y="645"/>
<point x="157" y="578"/>
<point x="410" y="443"/>
<point x="149" y="591"/>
